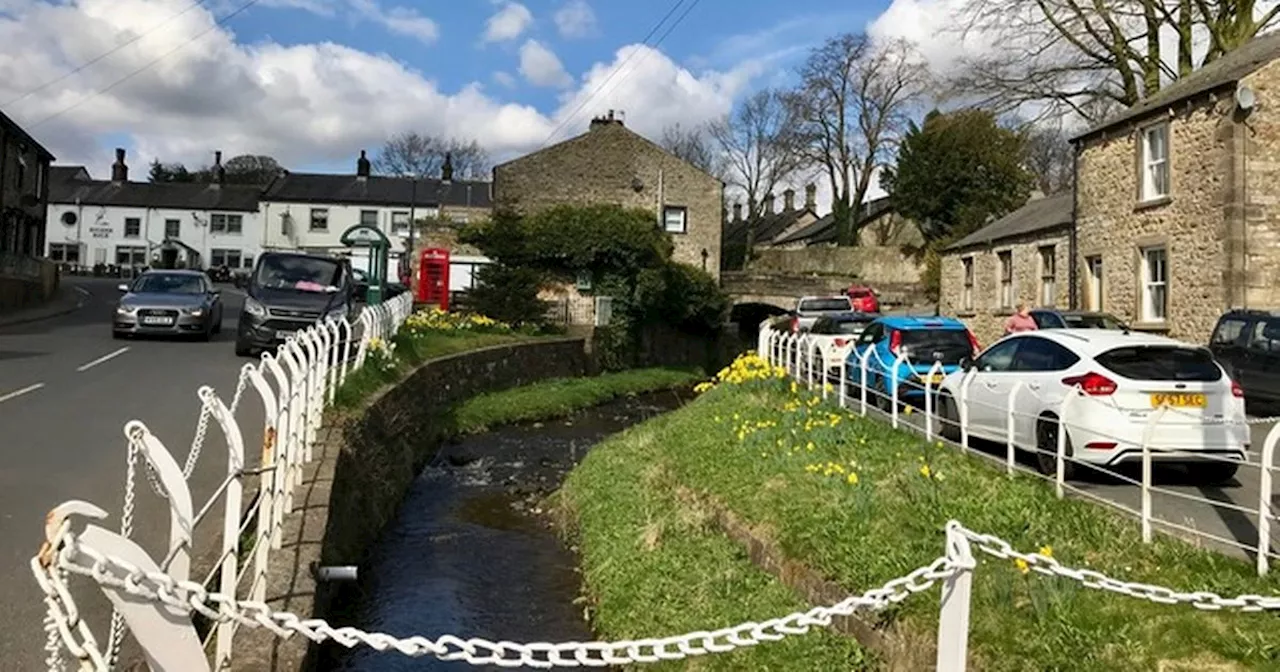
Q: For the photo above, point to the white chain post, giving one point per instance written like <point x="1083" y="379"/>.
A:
<point x="267" y="481"/>
<point x="953" y="619"/>
<point x="1010" y="418"/>
<point x="181" y="515"/>
<point x="1264" y="498"/>
<point x="963" y="410"/>
<point x="842" y="374"/>
<point x="897" y="384"/>
<point x="1147" y="431"/>
<point x="310" y="359"/>
<point x="811" y="347"/>
<point x="296" y="401"/>
<point x="345" y="324"/>
<point x="334" y="352"/>
<point x="929" y="406"/>
<point x="762" y="342"/>
<point x="280" y="475"/>
<point x="862" y="389"/>
<point x="234" y="496"/>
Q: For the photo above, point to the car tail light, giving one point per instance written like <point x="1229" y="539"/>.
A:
<point x="1236" y="390"/>
<point x="841" y="342"/>
<point x="973" y="341"/>
<point x="1101" y="445"/>
<point x="895" y="341"/>
<point x="795" y="325"/>
<point x="1093" y="384"/>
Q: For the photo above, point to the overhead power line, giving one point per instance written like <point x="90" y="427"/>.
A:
<point x="182" y="45"/>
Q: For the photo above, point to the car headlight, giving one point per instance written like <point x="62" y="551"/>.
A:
<point x="254" y="308"/>
<point x="193" y="312"/>
<point x="125" y="310"/>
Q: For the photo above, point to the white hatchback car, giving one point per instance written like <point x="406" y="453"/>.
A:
<point x="1121" y="379"/>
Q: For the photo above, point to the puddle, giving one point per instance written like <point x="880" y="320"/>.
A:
<point x="470" y="553"/>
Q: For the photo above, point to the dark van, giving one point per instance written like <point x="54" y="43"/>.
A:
<point x="1247" y="344"/>
<point x="288" y="291"/>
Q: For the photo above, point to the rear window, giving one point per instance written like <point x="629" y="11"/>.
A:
<point x="1228" y="331"/>
<point x="933" y="338"/>
<point x="1092" y="322"/>
<point x="853" y="327"/>
<point x="824" y="305"/>
<point x="1161" y="362"/>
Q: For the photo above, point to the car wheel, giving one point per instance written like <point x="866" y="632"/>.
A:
<point x="884" y="402"/>
<point x="217" y="324"/>
<point x="1047" y="429"/>
<point x="949" y="418"/>
<point x="243" y="349"/>
<point x="1214" y="472"/>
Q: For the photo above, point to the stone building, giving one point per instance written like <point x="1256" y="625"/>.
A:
<point x="1178" y="206"/>
<point x="24" y="190"/>
<point x="1020" y="258"/>
<point x="612" y="164"/>
<point x="771" y="224"/>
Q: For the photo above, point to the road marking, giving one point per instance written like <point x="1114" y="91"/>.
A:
<point x="84" y="291"/>
<point x="107" y="357"/>
<point x="18" y="393"/>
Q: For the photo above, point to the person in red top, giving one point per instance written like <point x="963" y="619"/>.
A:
<point x="1020" y="321"/>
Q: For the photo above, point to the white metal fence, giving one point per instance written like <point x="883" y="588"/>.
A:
<point x="294" y="385"/>
<point x="157" y="600"/>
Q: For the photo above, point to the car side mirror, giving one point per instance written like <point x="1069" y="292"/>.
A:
<point x="123" y="288"/>
<point x="966" y="364"/>
<point x="215" y="293"/>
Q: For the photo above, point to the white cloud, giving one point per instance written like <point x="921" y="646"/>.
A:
<point x="504" y="78"/>
<point x="510" y="21"/>
<point x="305" y="104"/>
<point x="399" y="20"/>
<point x="931" y="26"/>
<point x="541" y="67"/>
<point x="576" y="19"/>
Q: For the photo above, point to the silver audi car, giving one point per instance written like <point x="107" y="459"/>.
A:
<point x="169" y="303"/>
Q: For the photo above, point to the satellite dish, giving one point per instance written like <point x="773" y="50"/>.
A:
<point x="1245" y="98"/>
<point x="69" y="218"/>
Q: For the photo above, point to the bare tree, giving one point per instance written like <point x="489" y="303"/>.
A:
<point x="1048" y="156"/>
<point x="854" y="102"/>
<point x="760" y="150"/>
<point x="887" y="229"/>
<point x="413" y="153"/>
<point x="1062" y="54"/>
<point x="695" y="145"/>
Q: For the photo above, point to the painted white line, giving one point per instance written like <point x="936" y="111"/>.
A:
<point x="84" y="291"/>
<point x="107" y="357"/>
<point x="18" y="393"/>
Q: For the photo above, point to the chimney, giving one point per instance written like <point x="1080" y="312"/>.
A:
<point x="119" y="170"/>
<point x="811" y="196"/>
<point x="219" y="172"/>
<point x="789" y="200"/>
<point x="446" y="171"/>
<point x="362" y="166"/>
<point x="768" y="204"/>
<point x="613" y="117"/>
<point x="737" y="212"/>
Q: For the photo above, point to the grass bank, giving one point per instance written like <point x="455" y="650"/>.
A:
<point x="861" y="504"/>
<point x="563" y="396"/>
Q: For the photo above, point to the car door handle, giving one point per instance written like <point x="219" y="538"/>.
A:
<point x="1033" y="386"/>
<point x="990" y="385"/>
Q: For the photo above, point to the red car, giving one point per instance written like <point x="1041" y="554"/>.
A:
<point x="864" y="299"/>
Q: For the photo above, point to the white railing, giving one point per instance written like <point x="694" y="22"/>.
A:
<point x="802" y="358"/>
<point x="294" y="385"/>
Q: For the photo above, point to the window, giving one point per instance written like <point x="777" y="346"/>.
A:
<point x="132" y="227"/>
<point x="966" y="296"/>
<point x="583" y="281"/>
<point x="247" y="262"/>
<point x="319" y="219"/>
<point x="1265" y="336"/>
<point x="1155" y="162"/>
<point x="172" y="228"/>
<point x="369" y="218"/>
<point x="21" y="175"/>
<point x="840" y="303"/>
<point x="1161" y="362"/>
<point x="1228" y="332"/>
<point x="675" y="219"/>
<point x="68" y="253"/>
<point x="131" y="255"/>
<point x="1048" y="276"/>
<point x="228" y="258"/>
<point x="1155" y="284"/>
<point x="399" y="222"/>
<point x="1038" y="354"/>
<point x="224" y="223"/>
<point x="999" y="358"/>
<point x="1093" y="283"/>
<point x="1006" y="278"/>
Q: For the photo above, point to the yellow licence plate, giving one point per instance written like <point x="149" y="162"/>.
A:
<point x="1159" y="399"/>
<point x="935" y="379"/>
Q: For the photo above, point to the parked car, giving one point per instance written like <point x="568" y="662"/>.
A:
<point x="1123" y="378"/>
<point x="810" y="308"/>
<point x="1247" y="344"/>
<point x="833" y="335"/>
<point x="289" y="291"/>
<point x="1050" y="318"/>
<point x="168" y="303"/>
<point x="864" y="299"/>
<point x="924" y="340"/>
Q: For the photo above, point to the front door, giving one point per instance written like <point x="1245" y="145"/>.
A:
<point x="168" y="258"/>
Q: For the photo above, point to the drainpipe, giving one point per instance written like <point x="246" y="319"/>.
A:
<point x="1073" y="272"/>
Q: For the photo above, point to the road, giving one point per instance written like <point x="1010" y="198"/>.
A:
<point x="66" y="391"/>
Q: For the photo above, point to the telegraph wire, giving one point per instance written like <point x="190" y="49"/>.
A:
<point x="664" y="35"/>
<point x="216" y="24"/>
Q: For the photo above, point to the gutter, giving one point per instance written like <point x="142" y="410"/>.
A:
<point x="1073" y="271"/>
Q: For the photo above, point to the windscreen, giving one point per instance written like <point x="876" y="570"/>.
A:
<point x="948" y="346"/>
<point x="169" y="283"/>
<point x="1161" y="362"/>
<point x="304" y="274"/>
<point x="852" y="327"/>
<point x="1092" y="322"/>
<point x="823" y="305"/>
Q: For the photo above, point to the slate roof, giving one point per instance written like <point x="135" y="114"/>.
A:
<point x="377" y="190"/>
<point x="824" y="230"/>
<point x="64" y="187"/>
<point x="768" y="227"/>
<point x="1041" y="214"/>
<point x="1228" y="69"/>
<point x="23" y="136"/>
<point x="64" y="173"/>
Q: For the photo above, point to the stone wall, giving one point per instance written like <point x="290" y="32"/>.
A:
<point x="360" y="474"/>
<point x="868" y="265"/>
<point x="984" y="315"/>
<point x="1258" y="220"/>
<point x="26" y="282"/>
<point x="605" y="166"/>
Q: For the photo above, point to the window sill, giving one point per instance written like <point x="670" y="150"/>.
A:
<point x="1152" y="204"/>
<point x="1155" y="327"/>
<point x="967" y="313"/>
<point x="1002" y="312"/>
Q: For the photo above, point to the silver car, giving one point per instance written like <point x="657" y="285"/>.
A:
<point x="169" y="303"/>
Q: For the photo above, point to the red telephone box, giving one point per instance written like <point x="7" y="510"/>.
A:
<point x="433" y="277"/>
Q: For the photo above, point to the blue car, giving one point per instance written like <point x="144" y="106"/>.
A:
<point x="924" y="340"/>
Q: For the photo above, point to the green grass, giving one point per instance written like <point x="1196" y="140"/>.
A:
<point x="562" y="396"/>
<point x="763" y="451"/>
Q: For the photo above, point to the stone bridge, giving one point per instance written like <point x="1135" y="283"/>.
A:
<point x="759" y="295"/>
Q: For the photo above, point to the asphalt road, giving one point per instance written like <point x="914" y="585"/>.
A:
<point x="66" y="391"/>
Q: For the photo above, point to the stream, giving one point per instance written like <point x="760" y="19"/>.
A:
<point x="470" y="552"/>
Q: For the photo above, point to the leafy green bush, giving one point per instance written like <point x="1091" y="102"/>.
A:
<point x="508" y="294"/>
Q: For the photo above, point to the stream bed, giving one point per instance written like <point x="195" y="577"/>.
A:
<point x="471" y="554"/>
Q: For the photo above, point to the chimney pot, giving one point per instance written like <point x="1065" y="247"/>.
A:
<point x="119" y="169"/>
<point x="737" y="212"/>
<point x="768" y="204"/>
<point x="219" y="172"/>
<point x="789" y="200"/>
<point x="446" y="171"/>
<point x="811" y="196"/>
<point x="362" y="165"/>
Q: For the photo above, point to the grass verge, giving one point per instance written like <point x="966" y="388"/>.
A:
<point x="862" y="503"/>
<point x="562" y="396"/>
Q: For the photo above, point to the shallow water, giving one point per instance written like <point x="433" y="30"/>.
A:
<point x="470" y="553"/>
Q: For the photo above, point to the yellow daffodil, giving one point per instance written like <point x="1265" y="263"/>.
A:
<point x="1021" y="565"/>
<point x="1046" y="551"/>
<point x="851" y="479"/>
<point x="925" y="471"/>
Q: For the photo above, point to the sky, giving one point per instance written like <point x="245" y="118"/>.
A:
<point x="312" y="82"/>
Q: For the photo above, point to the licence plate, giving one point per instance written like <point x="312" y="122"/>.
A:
<point x="157" y="320"/>
<point x="935" y="379"/>
<point x="1178" y="400"/>
<point x="284" y="334"/>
